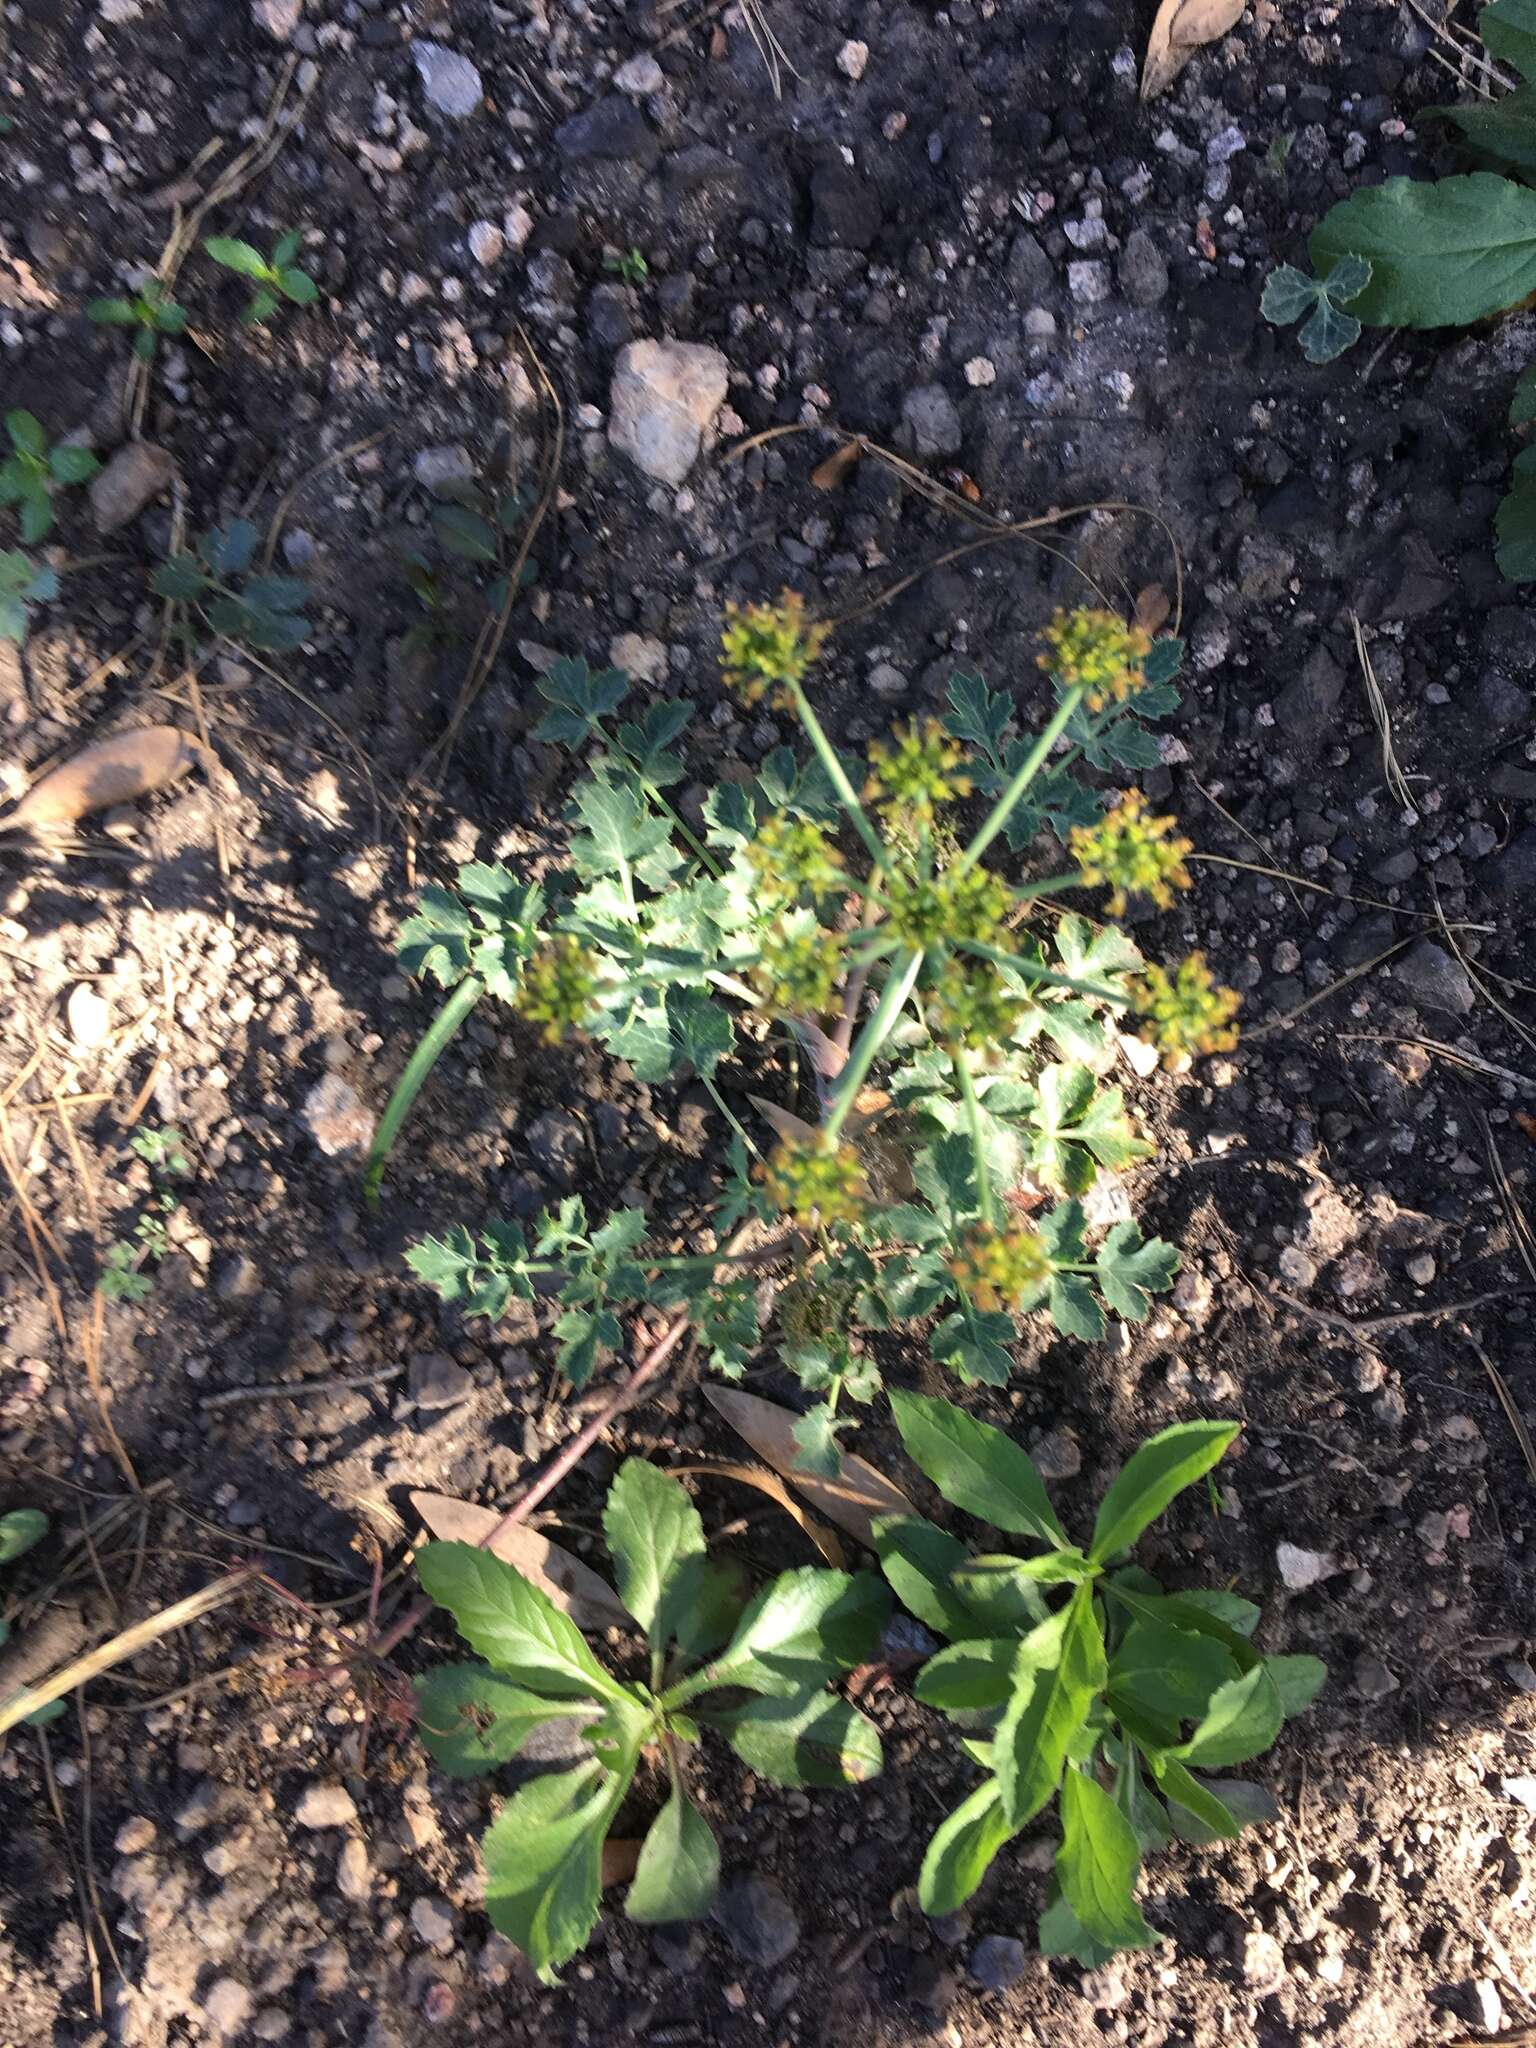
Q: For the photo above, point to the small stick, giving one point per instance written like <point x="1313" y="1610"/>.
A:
<point x="1507" y="1403"/>
<point x="278" y="1390"/>
<point x="1311" y="1003"/>
<point x="1359" y="1326"/>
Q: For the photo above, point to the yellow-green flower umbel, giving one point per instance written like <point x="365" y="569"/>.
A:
<point x="1000" y="1267"/>
<point x="798" y="968"/>
<point x="1184" y="1013"/>
<point x="813" y="1182"/>
<point x="1097" y="653"/>
<point x="765" y="646"/>
<point x="915" y="772"/>
<point x="791" y="857"/>
<point x="557" y="986"/>
<point x="1132" y="853"/>
<point x="969" y="1004"/>
<point x="961" y="904"/>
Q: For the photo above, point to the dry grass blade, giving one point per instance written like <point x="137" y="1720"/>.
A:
<point x="1362" y="1327"/>
<point x="825" y="1539"/>
<point x="1472" y="1061"/>
<point x="572" y="1586"/>
<point x="1180" y="28"/>
<point x="773" y="52"/>
<point x="1323" y="994"/>
<point x="122" y="1646"/>
<point x="1507" y="1402"/>
<point x="1519" y="1224"/>
<point x="853" y="1500"/>
<point x="1381" y="718"/>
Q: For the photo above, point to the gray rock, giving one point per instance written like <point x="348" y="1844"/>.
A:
<point x="325" y="1806"/>
<point x="354" y="1880"/>
<point x="1501" y="703"/>
<point x="557" y="1142"/>
<point x="1300" y="1568"/>
<point x="997" y="1961"/>
<point x="279" y="18"/>
<point x="1371" y="933"/>
<point x="758" y="1921"/>
<point x="1307" y="703"/>
<point x="1372" y="1679"/>
<point x="611" y="130"/>
<point x="1031" y="273"/>
<point x="1263" y="1962"/>
<point x="450" y="82"/>
<point x="238" y="1278"/>
<point x="434" y="467"/>
<point x="664" y="396"/>
<point x="227" y="2006"/>
<point x="1057" y="1455"/>
<point x="1515" y="869"/>
<point x="642" y="76"/>
<point x="845" y="211"/>
<point x="1088" y="281"/>
<point x="1435" y="979"/>
<point x="336" y="1118"/>
<point x="1143" y="273"/>
<point x="931" y="421"/>
<point x="437" y="1381"/>
<point x="435" y="1922"/>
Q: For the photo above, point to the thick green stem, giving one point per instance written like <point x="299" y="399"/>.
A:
<point x="426" y="1056"/>
<point x="729" y="1114"/>
<point x="962" y="1068"/>
<point x="837" y="775"/>
<point x="1033" y="762"/>
<point x="903" y="980"/>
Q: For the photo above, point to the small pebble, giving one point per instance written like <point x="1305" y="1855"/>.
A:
<point x="325" y="1806"/>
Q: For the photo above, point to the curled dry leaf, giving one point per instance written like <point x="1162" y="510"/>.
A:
<point x="853" y="1499"/>
<point x="1181" y="28"/>
<point x="1152" y="608"/>
<point x="113" y="771"/>
<point x="121" y="489"/>
<point x="825" y="1539"/>
<point x="573" y="1586"/>
<point x="826" y="476"/>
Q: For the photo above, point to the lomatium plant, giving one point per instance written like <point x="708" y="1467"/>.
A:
<point x="963" y="1029"/>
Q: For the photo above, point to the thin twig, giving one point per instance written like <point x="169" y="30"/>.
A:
<point x="1516" y="1420"/>
<point x="1311" y="1003"/>
<point x="303" y="1390"/>
<point x="1361" y="1327"/>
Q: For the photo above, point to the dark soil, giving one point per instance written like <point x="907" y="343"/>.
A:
<point x="988" y="210"/>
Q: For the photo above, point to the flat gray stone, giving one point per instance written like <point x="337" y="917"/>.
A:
<point x="449" y="82"/>
<point x="663" y="398"/>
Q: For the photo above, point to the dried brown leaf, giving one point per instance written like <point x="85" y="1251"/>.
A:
<point x="838" y="467"/>
<point x="852" y="1500"/>
<point x="1152" y="608"/>
<point x="113" y="771"/>
<point x="573" y="1586"/>
<point x="1181" y="28"/>
<point x="825" y="1539"/>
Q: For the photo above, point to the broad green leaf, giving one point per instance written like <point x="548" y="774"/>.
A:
<point x="298" y="285"/>
<point x="1000" y="1599"/>
<point x="286" y="247"/>
<point x="962" y="1849"/>
<point x="1063" y="1934"/>
<point x="1503" y="128"/>
<point x="918" y="1560"/>
<point x="19" y="1530"/>
<point x="1195" y="1800"/>
<point x="978" y="715"/>
<point x="1298" y="1680"/>
<point x="26" y="433"/>
<point x="1175" y="1610"/>
<point x="1166" y="1671"/>
<point x="976" y="1467"/>
<point x="704" y="1603"/>
<point x="678" y="1874"/>
<point x="1515" y="521"/>
<point x="971" y="1342"/>
<point x="801" y="1628"/>
<point x="815" y="1434"/>
<point x="619" y="830"/>
<point x="1097" y="1865"/>
<point x="1247" y="1805"/>
<point x="464" y="533"/>
<point x="1288" y="293"/>
<point x="946" y="1174"/>
<point x="1239" y="1614"/>
<point x="1109" y="1133"/>
<point x="1242" y="1720"/>
<point x="471" y="1718"/>
<point x="1059" y="1675"/>
<point x="702" y="1028"/>
<point x="1130" y="1271"/>
<point x="181" y="579"/>
<point x="579" y="701"/>
<point x="1442" y="254"/>
<point x="1150" y="1478"/>
<point x="969" y="1677"/>
<point x="650" y="1525"/>
<point x="230" y="550"/>
<point x="1522" y="406"/>
<point x="813" y="1738"/>
<point x="543" y="1863"/>
<point x="1074" y="1307"/>
<point x="729" y="816"/>
<point x="112" y="313"/>
<point x="1141" y="1807"/>
<point x="512" y="1624"/>
<point x="583" y="1337"/>
<point x="1508" y="30"/>
<point x="1098" y="955"/>
<point x="645" y="1041"/>
<point x="237" y="255"/>
<point x="72" y="465"/>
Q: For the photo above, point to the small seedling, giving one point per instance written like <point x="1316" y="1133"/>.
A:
<point x="151" y="310"/>
<point x="23" y="582"/>
<point x="276" y="277"/>
<point x="1090" y="1699"/>
<point x="756" y="1672"/>
<point x="628" y="265"/>
<point x="163" y="1151"/>
<point x="473" y="523"/>
<point x="261" y="612"/>
<point x="1326" y="332"/>
<point x="33" y="472"/>
<point x="122" y="1276"/>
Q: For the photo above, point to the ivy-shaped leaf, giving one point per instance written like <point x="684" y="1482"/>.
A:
<point x="578" y="700"/>
<point x="1131" y="1270"/>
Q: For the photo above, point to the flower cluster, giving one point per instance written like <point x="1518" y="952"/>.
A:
<point x="1185" y="1012"/>
<point x="1131" y="852"/>
<point x="790" y="857"/>
<point x="798" y="968"/>
<point x="970" y="1004"/>
<point x="814" y="1182"/>
<point x="1097" y="653"/>
<point x="920" y="769"/>
<point x="557" y="986"/>
<point x="765" y="646"/>
<point x="925" y="910"/>
<point x="998" y="1266"/>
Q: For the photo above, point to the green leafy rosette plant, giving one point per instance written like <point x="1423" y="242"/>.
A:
<point x="755" y="1670"/>
<point x="1078" y="1677"/>
<point x="842" y="902"/>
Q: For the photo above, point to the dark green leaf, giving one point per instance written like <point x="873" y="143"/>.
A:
<point x="464" y="533"/>
<point x="1097" y="1865"/>
<point x="144" y="346"/>
<point x="543" y="1863"/>
<point x="181" y="579"/>
<point x="1327" y="332"/>
<point x="19" y="1530"/>
<point x="1508" y="30"/>
<point x="813" y="1738"/>
<point x="969" y="1677"/>
<point x="72" y="465"/>
<point x="1298" y="1680"/>
<point x="977" y="715"/>
<point x="1141" y="1807"/>
<point x="1242" y="1720"/>
<point x="1515" y="522"/>
<point x="276" y="593"/>
<point x="1063" y="1934"/>
<point x="298" y="285"/>
<point x="472" y="1719"/>
<point x="1075" y="1308"/>
<point x="678" y="1874"/>
<point x="1189" y="1800"/>
<point x="972" y="1342"/>
<point x="976" y="1467"/>
<point x="1169" y="1671"/>
<point x="1000" y="1599"/>
<point x="1130" y="1271"/>
<point x="1059" y="1675"/>
<point x="230" y="550"/>
<point x="702" y="1028"/>
<point x="1522" y="407"/>
<point x="578" y="700"/>
<point x="36" y="514"/>
<point x="1151" y="1477"/>
<point x="513" y="1625"/>
<point x="1288" y="293"/>
<point x="801" y="1628"/>
<point x="650" y="1526"/>
<point x="286" y="247"/>
<point x="1442" y="254"/>
<point x="961" y="1851"/>
<point x="26" y="433"/>
<point x="238" y="256"/>
<point x="112" y="313"/>
<point x="918" y="1559"/>
<point x="584" y="1336"/>
<point x="729" y="817"/>
<point x="815" y="1434"/>
<point x="703" y="1604"/>
<point x="1247" y="1805"/>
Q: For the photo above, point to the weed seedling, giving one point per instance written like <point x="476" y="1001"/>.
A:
<point x="754" y="1670"/>
<point x="123" y="1277"/>
<point x="628" y="265"/>
<point x="23" y="582"/>
<point x="261" y="612"/>
<point x="955" y="1192"/>
<point x="275" y="278"/>
<point x="151" y="310"/>
<point x="33" y="472"/>
<point x="1118" y="1699"/>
